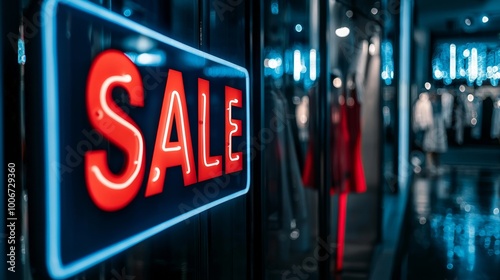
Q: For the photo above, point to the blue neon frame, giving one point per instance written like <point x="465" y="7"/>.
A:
<point x="54" y="263"/>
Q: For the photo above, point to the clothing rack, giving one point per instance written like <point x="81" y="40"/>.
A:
<point x="481" y="92"/>
<point x="485" y="94"/>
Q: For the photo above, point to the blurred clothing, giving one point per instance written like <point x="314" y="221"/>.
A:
<point x="447" y="104"/>
<point x="429" y="119"/>
<point x="495" y="123"/>
<point x="422" y="113"/>
<point x="435" y="139"/>
<point x="459" y="119"/>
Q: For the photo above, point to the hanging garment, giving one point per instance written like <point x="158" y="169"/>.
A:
<point x="470" y="110"/>
<point x="459" y="120"/>
<point x="339" y="149"/>
<point x="286" y="201"/>
<point x="435" y="138"/>
<point x="495" y="123"/>
<point x="357" y="182"/>
<point x="422" y="113"/>
<point x="308" y="172"/>
<point x="341" y="156"/>
<point x="447" y="103"/>
<point x="307" y="175"/>
<point x="476" y="120"/>
<point x="279" y="206"/>
<point x="345" y="154"/>
<point x="495" y="120"/>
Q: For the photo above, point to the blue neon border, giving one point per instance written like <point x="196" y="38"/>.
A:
<point x="54" y="263"/>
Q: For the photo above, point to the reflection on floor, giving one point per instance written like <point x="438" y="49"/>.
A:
<point x="455" y="225"/>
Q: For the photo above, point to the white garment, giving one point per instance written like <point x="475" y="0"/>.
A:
<point x="435" y="138"/>
<point x="447" y="103"/>
<point x="422" y="117"/>
<point x="459" y="124"/>
<point x="495" y="121"/>
<point x="477" y="118"/>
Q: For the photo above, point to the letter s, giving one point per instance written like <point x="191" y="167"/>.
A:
<point x="110" y="191"/>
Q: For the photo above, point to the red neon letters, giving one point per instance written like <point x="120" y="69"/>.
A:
<point x="234" y="161"/>
<point x="114" y="191"/>
<point x="111" y="191"/>
<point x="168" y="154"/>
<point x="208" y="166"/>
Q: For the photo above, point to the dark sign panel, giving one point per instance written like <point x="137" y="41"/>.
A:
<point x="141" y="133"/>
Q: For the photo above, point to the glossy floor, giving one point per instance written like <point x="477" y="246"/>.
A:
<point x="454" y="228"/>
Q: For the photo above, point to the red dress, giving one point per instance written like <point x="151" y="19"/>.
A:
<point x="357" y="182"/>
<point x="347" y="165"/>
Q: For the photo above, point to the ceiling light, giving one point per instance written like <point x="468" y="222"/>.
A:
<point x="342" y="32"/>
<point x="337" y="82"/>
<point x="427" y="86"/>
<point x="371" y="49"/>
<point x="466" y="53"/>
<point x="374" y="11"/>
<point x="349" y="14"/>
<point x="298" y="28"/>
<point x="470" y="97"/>
<point x="485" y="19"/>
<point x="468" y="22"/>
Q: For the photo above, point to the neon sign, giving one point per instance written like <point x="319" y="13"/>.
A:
<point x="112" y="192"/>
<point x="176" y="146"/>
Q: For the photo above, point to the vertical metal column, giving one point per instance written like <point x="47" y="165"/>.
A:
<point x="404" y="89"/>
<point x="322" y="151"/>
<point x="256" y="199"/>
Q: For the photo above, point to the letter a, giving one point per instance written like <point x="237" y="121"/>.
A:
<point x="166" y="153"/>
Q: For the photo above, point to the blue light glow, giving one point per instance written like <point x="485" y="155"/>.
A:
<point x="220" y="71"/>
<point x="275" y="8"/>
<point x="473" y="62"/>
<point x="387" y="62"/>
<point x="21" y="53"/>
<point x="297" y="66"/>
<point x="56" y="268"/>
<point x="127" y="12"/>
<point x="153" y="58"/>
<point x="299" y="61"/>
<point x="273" y="64"/>
<point x="453" y="61"/>
<point x="468" y="232"/>
<point x="312" y="65"/>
